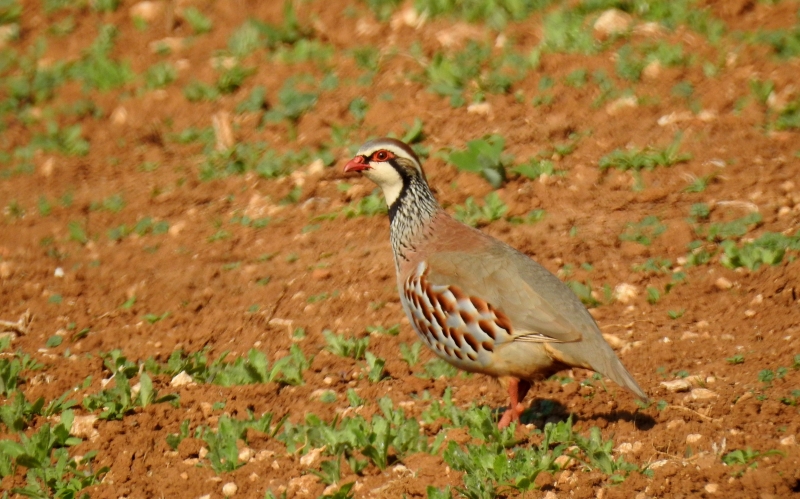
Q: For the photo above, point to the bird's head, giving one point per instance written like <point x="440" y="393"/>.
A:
<point x="390" y="163"/>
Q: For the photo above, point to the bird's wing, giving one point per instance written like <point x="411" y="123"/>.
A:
<point x="534" y="300"/>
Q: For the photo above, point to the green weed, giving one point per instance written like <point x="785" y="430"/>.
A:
<point x="475" y="215"/>
<point x="96" y="69"/>
<point x="51" y="472"/>
<point x="474" y="71"/>
<point x="643" y="232"/>
<point x="644" y="159"/>
<point x="198" y="21"/>
<point x="495" y="13"/>
<point x="337" y="344"/>
<point x="223" y="450"/>
<point x="367" y="206"/>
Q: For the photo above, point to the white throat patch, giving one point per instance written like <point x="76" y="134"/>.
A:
<point x="388" y="180"/>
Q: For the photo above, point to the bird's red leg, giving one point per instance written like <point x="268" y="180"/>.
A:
<point x="517" y="389"/>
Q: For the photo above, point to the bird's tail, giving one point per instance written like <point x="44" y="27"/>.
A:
<point x="617" y="372"/>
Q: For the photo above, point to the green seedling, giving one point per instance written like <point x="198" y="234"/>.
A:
<point x="736" y="359"/>
<point x="393" y="330"/>
<point x="410" y="355"/>
<point x="495" y="13"/>
<point x="223" y="450"/>
<point x="198" y="21"/>
<point x="437" y="368"/>
<point x="484" y="156"/>
<point x="292" y="104"/>
<point x="769" y="249"/>
<point x="746" y="457"/>
<point x="354" y="348"/>
<point x="643" y="232"/>
<point x="160" y="75"/>
<point x="367" y="206"/>
<point x="645" y="159"/>
<point x="475" y="216"/>
<point x="375" y="367"/>
<point x="96" y="69"/>
<point x="584" y="292"/>
<point x="51" y="472"/>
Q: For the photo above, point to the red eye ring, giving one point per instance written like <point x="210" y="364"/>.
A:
<point x="382" y="155"/>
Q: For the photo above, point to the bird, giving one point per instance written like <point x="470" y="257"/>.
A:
<point x="476" y="302"/>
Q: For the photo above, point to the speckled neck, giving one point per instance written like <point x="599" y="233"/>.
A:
<point x="411" y="215"/>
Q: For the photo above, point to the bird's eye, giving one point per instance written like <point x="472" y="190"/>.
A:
<point x="382" y="155"/>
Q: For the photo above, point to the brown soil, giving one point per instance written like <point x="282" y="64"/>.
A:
<point x="209" y="300"/>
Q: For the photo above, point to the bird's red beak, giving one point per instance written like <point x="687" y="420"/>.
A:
<point x="357" y="164"/>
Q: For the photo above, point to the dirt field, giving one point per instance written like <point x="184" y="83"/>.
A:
<point x="191" y="214"/>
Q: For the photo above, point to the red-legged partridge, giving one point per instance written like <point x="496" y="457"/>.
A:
<point x="478" y="303"/>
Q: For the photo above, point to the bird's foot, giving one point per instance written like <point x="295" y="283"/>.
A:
<point x="517" y="389"/>
<point x="512" y="414"/>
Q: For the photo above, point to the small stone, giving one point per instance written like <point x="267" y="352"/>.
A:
<point x="59" y="272"/>
<point x="787" y="186"/>
<point x="722" y="283"/>
<point x="625" y="293"/>
<point x="703" y="394"/>
<point x="176" y="228"/>
<point x="480" y="108"/>
<point x="205" y="496"/>
<point x="310" y="460"/>
<point x="693" y="438"/>
<point x="229" y="489"/>
<point x="147" y="11"/>
<point x="688" y="335"/>
<point x="550" y="495"/>
<point x="788" y="441"/>
<point x="784" y="211"/>
<point x="246" y="454"/>
<point x="184" y="475"/>
<point x="658" y="464"/>
<point x="615" y="341"/>
<point x="677" y="385"/>
<point x="7" y="33"/>
<point x="612" y="22"/>
<point x="402" y="470"/>
<point x="711" y="488"/>
<point x="627" y="102"/>
<point x="83" y="427"/>
<point x="707" y="115"/>
<point x="5" y="270"/>
<point x="749" y="313"/>
<point x="300" y="486"/>
<point x="181" y="379"/>
<point x="652" y="70"/>
<point x="321" y="274"/>
<point x="316" y="167"/>
<point x="564" y="462"/>
<point x="625" y="448"/>
<point x="207" y="409"/>
<point x="673" y="424"/>
<point x="119" y="116"/>
<point x="202" y="452"/>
